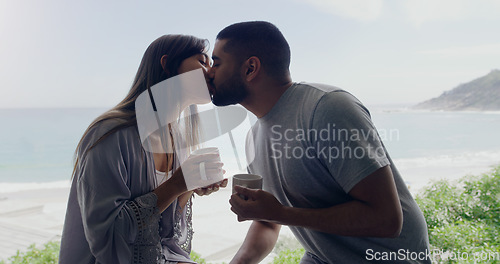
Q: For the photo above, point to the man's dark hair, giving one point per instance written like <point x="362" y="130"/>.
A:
<point x="261" y="39"/>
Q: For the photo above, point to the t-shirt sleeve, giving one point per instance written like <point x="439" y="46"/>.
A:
<point x="115" y="223"/>
<point x="347" y="144"/>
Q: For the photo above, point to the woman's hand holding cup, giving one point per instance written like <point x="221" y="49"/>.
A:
<point x="203" y="168"/>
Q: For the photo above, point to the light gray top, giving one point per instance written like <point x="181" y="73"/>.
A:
<point x="312" y="148"/>
<point x="112" y="215"/>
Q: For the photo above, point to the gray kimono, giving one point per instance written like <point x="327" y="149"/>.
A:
<point x="112" y="215"/>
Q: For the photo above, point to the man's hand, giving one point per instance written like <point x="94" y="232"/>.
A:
<point x="258" y="205"/>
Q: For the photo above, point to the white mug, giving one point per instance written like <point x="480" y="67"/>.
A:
<point x="251" y="181"/>
<point x="205" y="174"/>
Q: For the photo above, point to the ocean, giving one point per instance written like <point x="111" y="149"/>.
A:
<point x="37" y="145"/>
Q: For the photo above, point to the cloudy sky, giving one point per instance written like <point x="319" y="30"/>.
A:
<point x="59" y="53"/>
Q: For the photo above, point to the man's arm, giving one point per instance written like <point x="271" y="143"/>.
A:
<point x="259" y="242"/>
<point x="375" y="210"/>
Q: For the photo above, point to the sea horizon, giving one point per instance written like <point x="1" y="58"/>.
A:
<point x="37" y="152"/>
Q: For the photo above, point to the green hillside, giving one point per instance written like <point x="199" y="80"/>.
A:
<point x="481" y="94"/>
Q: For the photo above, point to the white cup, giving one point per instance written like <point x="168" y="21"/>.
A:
<point x="204" y="175"/>
<point x="251" y="181"/>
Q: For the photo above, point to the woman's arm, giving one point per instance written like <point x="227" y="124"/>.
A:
<point x="120" y="223"/>
<point x="168" y="191"/>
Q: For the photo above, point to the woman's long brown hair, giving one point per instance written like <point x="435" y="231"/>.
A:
<point x="150" y="72"/>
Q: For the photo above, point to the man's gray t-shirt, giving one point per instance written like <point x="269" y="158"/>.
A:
<point x="312" y="148"/>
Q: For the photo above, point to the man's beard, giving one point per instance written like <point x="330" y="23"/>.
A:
<point x="232" y="91"/>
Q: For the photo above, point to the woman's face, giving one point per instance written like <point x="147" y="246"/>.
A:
<point x="194" y="62"/>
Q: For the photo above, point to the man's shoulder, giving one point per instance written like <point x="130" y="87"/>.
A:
<point x="325" y="93"/>
<point x="318" y="87"/>
<point x="326" y="97"/>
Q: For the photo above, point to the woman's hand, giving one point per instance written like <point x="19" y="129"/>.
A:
<point x="201" y="170"/>
<point x="211" y="188"/>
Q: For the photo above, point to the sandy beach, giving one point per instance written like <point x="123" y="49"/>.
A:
<point x="37" y="216"/>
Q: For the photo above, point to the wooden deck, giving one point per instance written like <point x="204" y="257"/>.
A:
<point x="27" y="220"/>
<point x="15" y="237"/>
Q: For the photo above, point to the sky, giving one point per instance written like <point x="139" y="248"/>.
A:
<point x="59" y="53"/>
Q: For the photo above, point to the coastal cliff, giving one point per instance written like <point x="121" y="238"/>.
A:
<point x="481" y="94"/>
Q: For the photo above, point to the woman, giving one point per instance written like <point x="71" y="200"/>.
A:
<point x="128" y="205"/>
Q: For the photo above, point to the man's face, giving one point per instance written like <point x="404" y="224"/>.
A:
<point x="227" y="86"/>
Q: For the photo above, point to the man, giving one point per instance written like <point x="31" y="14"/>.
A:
<point x="326" y="173"/>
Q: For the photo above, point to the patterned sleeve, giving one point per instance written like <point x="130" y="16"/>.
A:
<point x="118" y="227"/>
<point x="147" y="247"/>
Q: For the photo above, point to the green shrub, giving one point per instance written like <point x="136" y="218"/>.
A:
<point x="288" y="250"/>
<point x="197" y="258"/>
<point x="48" y="255"/>
<point x="289" y="256"/>
<point x="463" y="217"/>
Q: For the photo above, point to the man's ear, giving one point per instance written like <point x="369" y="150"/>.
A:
<point x="252" y="68"/>
<point x="163" y="62"/>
